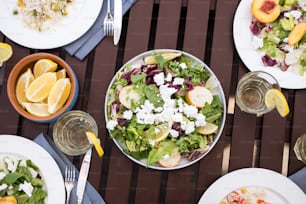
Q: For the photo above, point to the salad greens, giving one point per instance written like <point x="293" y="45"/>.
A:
<point x="21" y="178"/>
<point x="272" y="39"/>
<point x="147" y="109"/>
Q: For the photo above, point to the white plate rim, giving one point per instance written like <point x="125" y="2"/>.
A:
<point x="20" y="146"/>
<point x="252" y="58"/>
<point x="82" y="13"/>
<point x="183" y="163"/>
<point x="260" y="177"/>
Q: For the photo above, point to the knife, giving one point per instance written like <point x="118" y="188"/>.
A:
<point x="83" y="176"/>
<point x="117" y="20"/>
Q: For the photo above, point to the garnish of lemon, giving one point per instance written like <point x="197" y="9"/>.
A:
<point x="275" y="98"/>
<point x="44" y="65"/>
<point x="59" y="94"/>
<point x="23" y="83"/>
<point x="209" y="128"/>
<point x="6" y="52"/>
<point x="96" y="142"/>
<point x="158" y="133"/>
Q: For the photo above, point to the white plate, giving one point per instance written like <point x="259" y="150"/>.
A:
<point x="250" y="57"/>
<point x="277" y="184"/>
<point x="82" y="14"/>
<point x="138" y="60"/>
<point x="50" y="172"/>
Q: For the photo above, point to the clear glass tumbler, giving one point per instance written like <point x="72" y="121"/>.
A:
<point x="251" y="90"/>
<point x="300" y="148"/>
<point x="69" y="132"/>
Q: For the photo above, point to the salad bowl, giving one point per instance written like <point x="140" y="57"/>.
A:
<point x="165" y="109"/>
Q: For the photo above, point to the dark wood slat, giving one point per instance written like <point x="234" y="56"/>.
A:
<point x="195" y="33"/>
<point x="168" y="24"/>
<point x="299" y="118"/>
<point x="221" y="63"/>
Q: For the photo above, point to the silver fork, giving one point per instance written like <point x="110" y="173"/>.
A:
<point x="108" y="21"/>
<point x="69" y="181"/>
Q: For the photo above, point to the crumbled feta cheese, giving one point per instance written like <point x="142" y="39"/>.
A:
<point x="302" y="4"/>
<point x="27" y="188"/>
<point x="111" y="124"/>
<point x="177" y="117"/>
<point x="166" y="92"/>
<point x="168" y="77"/>
<point x="183" y="65"/>
<point x="11" y="164"/>
<point x="200" y="120"/>
<point x="10" y="190"/>
<point x="188" y="127"/>
<point x="3" y="186"/>
<point x="33" y="172"/>
<point x="2" y="175"/>
<point x="166" y="157"/>
<point x="174" y="133"/>
<point x="190" y="111"/>
<point x="23" y="162"/>
<point x="128" y="114"/>
<point x="296" y="14"/>
<point x="152" y="142"/>
<point x="257" y="42"/>
<point x="159" y="79"/>
<point x="178" y="81"/>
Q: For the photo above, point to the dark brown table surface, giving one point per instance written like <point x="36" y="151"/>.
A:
<point x="204" y="29"/>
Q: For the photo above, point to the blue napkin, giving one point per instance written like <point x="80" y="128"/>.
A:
<point x="91" y="196"/>
<point x="86" y="43"/>
<point x="299" y="178"/>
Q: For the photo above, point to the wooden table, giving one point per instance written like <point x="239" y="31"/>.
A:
<point x="203" y="28"/>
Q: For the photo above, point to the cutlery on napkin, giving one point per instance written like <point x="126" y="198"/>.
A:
<point x="91" y="196"/>
<point x="86" y="43"/>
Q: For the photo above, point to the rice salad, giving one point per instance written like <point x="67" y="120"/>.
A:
<point x="41" y="15"/>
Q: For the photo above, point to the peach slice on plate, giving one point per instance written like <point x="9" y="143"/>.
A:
<point x="265" y="11"/>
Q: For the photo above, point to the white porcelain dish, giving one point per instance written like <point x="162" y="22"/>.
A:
<point x="138" y="60"/>
<point x="251" y="57"/>
<point x="280" y="188"/>
<point x="82" y="14"/>
<point x="51" y="175"/>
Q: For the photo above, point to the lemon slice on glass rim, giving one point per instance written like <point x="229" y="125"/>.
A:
<point x="275" y="98"/>
<point x="96" y="142"/>
<point x="6" y="52"/>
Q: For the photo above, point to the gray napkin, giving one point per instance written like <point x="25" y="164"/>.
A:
<point x="299" y="178"/>
<point x="91" y="196"/>
<point x="86" y="43"/>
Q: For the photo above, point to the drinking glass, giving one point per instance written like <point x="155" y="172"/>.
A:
<point x="69" y="132"/>
<point x="251" y="90"/>
<point x="300" y="148"/>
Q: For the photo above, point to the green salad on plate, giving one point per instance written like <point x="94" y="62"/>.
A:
<point x="165" y="109"/>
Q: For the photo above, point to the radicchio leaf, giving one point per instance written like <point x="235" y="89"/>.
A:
<point x="268" y="61"/>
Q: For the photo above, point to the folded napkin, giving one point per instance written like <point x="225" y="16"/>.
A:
<point x="91" y="196"/>
<point x="299" y="178"/>
<point x="86" y="43"/>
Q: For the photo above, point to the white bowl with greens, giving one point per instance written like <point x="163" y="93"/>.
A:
<point x="165" y="109"/>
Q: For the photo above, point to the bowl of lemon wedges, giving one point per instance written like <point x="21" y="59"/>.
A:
<point x="41" y="87"/>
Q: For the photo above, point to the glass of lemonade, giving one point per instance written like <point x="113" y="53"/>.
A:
<point x="300" y="148"/>
<point x="69" y="132"/>
<point x="251" y="90"/>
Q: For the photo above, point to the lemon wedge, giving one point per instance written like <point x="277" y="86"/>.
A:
<point x="275" y="98"/>
<point x="39" y="89"/>
<point x="96" y="142"/>
<point x="23" y="83"/>
<point x="61" y="74"/>
<point x="59" y="94"/>
<point x="297" y="33"/>
<point x="167" y="57"/>
<point x="6" y="52"/>
<point x="160" y="132"/>
<point x="208" y="129"/>
<point x="42" y="66"/>
<point x="38" y="109"/>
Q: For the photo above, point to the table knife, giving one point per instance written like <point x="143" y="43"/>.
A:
<point x="117" y="20"/>
<point x="83" y="176"/>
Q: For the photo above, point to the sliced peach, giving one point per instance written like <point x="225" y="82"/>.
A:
<point x="265" y="11"/>
<point x="297" y="33"/>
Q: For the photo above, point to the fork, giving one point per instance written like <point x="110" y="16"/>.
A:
<point x="69" y="181"/>
<point x="108" y="21"/>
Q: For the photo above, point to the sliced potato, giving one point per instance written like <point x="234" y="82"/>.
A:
<point x="198" y="96"/>
<point x="171" y="161"/>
